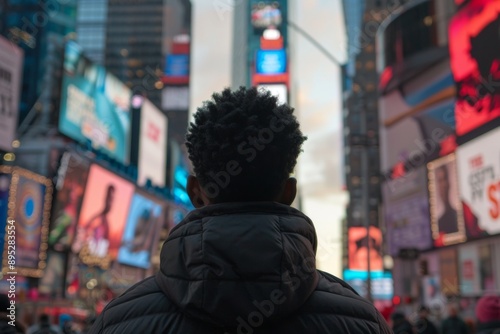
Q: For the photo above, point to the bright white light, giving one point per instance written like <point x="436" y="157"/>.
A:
<point x="271" y="34"/>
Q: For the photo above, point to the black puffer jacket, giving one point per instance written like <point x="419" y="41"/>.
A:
<point x="241" y="268"/>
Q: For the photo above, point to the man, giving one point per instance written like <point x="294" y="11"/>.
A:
<point x="423" y="324"/>
<point x="244" y="260"/>
<point x="447" y="222"/>
<point x="453" y="324"/>
<point x="401" y="325"/>
<point x="44" y="326"/>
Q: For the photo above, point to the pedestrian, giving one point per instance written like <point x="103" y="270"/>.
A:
<point x="8" y="322"/>
<point x="244" y="260"/>
<point x="453" y="324"/>
<point x="488" y="315"/>
<point x="423" y="325"/>
<point x="400" y="324"/>
<point x="44" y="326"/>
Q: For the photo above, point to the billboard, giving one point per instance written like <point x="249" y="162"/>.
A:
<point x="102" y="217"/>
<point x="416" y="124"/>
<point x="29" y="207"/>
<point x="141" y="234"/>
<point x="175" y="98"/>
<point x="479" y="183"/>
<point x="271" y="62"/>
<point x="280" y="91"/>
<point x="95" y="106"/>
<point x="72" y="177"/>
<point x="358" y="248"/>
<point x="177" y="65"/>
<point x="381" y="283"/>
<point x="475" y="64"/>
<point x="468" y="258"/>
<point x="152" y="145"/>
<point x="447" y="221"/>
<point x="52" y="283"/>
<point x="266" y="14"/>
<point x="11" y="66"/>
<point x="448" y="272"/>
<point x="406" y="212"/>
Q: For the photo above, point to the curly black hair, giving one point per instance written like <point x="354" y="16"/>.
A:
<point x="243" y="145"/>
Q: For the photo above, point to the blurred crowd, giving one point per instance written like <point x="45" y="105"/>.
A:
<point x="487" y="320"/>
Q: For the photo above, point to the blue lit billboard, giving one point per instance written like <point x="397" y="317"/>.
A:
<point x="381" y="283"/>
<point x="271" y="62"/>
<point x="177" y="65"/>
<point x="95" y="106"/>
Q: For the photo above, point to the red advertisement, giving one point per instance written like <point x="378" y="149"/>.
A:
<point x="102" y="217"/>
<point x="360" y="247"/>
<point x="475" y="63"/>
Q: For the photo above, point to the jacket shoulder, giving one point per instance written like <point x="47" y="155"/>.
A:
<point x="143" y="303"/>
<point x="335" y="304"/>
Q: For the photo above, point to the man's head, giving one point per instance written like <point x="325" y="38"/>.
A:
<point x="110" y="192"/>
<point x="452" y="310"/>
<point x="243" y="146"/>
<point x="423" y="312"/>
<point x="443" y="183"/>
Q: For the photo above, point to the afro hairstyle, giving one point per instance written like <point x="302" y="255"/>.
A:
<point x="243" y="145"/>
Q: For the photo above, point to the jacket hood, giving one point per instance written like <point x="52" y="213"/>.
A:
<point x="228" y="263"/>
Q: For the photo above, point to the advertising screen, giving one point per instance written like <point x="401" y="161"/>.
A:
<point x="475" y="64"/>
<point x="416" y="123"/>
<point x="175" y="98"/>
<point x="358" y="248"/>
<point x="468" y="257"/>
<point x="72" y="177"/>
<point x="102" y="217"/>
<point x="382" y="284"/>
<point x="11" y="66"/>
<point x="406" y="212"/>
<point x="29" y="205"/>
<point x="446" y="211"/>
<point x="479" y="182"/>
<point x="266" y="14"/>
<point x="280" y="91"/>
<point x="53" y="281"/>
<point x="141" y="233"/>
<point x="448" y="272"/>
<point x="271" y="62"/>
<point x="177" y="65"/>
<point x="95" y="106"/>
<point x="152" y="145"/>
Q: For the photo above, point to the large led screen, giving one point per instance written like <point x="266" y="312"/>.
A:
<point x="5" y="177"/>
<point x="102" y="217"/>
<point x="266" y="14"/>
<point x="479" y="182"/>
<point x="446" y="211"/>
<point x="361" y="246"/>
<point x="95" y="106"/>
<point x="11" y="67"/>
<point x="141" y="233"/>
<point x="475" y="63"/>
<point x="406" y="212"/>
<point x="29" y="206"/>
<point x="70" y="186"/>
<point x="152" y="145"/>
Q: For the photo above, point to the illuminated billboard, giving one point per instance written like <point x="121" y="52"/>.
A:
<point x="382" y="287"/>
<point x="406" y="212"/>
<point x="270" y="62"/>
<point x="280" y="91"/>
<point x="479" y="183"/>
<point x="29" y="208"/>
<point x="152" y="145"/>
<point x="95" y="106"/>
<point x="141" y="233"/>
<point x="72" y="176"/>
<point x="266" y="14"/>
<point x="11" y="66"/>
<point x="446" y="211"/>
<point x="361" y="246"/>
<point x="475" y="63"/>
<point x="102" y="217"/>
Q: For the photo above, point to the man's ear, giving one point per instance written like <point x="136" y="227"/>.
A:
<point x="195" y="192"/>
<point x="289" y="191"/>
